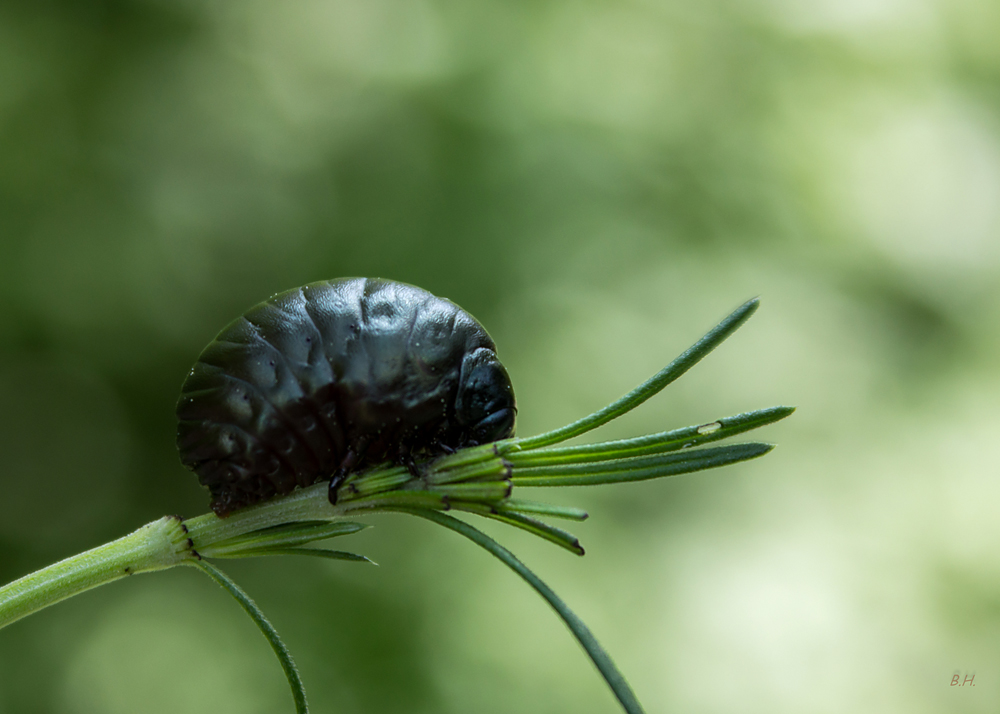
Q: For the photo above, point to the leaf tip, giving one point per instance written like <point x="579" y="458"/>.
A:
<point x="741" y="314"/>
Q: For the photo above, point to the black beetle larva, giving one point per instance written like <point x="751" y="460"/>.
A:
<point x="328" y="378"/>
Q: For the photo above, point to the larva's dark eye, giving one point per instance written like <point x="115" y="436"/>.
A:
<point x="403" y="373"/>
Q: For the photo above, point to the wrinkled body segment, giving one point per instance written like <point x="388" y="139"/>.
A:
<point x="333" y="377"/>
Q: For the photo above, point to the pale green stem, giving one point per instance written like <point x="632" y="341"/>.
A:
<point x="156" y="546"/>
<point x="305" y="504"/>
<point x="159" y="545"/>
<point x="163" y="544"/>
<point x="477" y="480"/>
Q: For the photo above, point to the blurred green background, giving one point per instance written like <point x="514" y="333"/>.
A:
<point x="599" y="183"/>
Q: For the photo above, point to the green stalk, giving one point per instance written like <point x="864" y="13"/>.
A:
<point x="156" y="546"/>
<point x="477" y="480"/>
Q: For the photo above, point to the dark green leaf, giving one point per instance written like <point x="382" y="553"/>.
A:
<point x="605" y="665"/>
<point x="552" y="534"/>
<point x="543" y="509"/>
<point x="288" y="535"/>
<point x="318" y="552"/>
<point x="266" y="628"/>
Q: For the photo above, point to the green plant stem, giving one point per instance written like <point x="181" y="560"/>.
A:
<point x="605" y="665"/>
<point x="156" y="546"/>
<point x="168" y="542"/>
<point x="478" y="480"/>
<point x="305" y="504"/>
<point x="266" y="628"/>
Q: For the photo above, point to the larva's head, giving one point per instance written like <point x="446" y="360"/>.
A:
<point x="484" y="406"/>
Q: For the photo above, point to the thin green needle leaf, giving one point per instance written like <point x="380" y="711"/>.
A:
<point x="654" y="384"/>
<point x="288" y="535"/>
<point x="562" y="538"/>
<point x="382" y="479"/>
<point x="552" y="534"/>
<point x="266" y="628"/>
<point x="651" y="444"/>
<point x="475" y="491"/>
<point x="398" y="499"/>
<point x="469" y="455"/>
<point x="640" y="468"/>
<point x="542" y="509"/>
<point x="318" y="552"/>
<point x="605" y="665"/>
<point x="632" y="463"/>
<point x="491" y="469"/>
